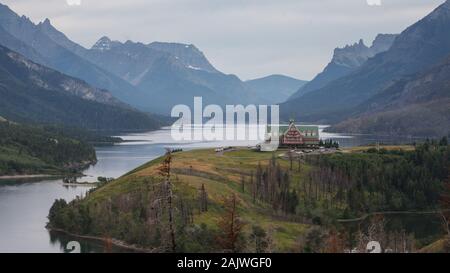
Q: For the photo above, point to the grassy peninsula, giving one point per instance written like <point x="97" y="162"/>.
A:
<point x="247" y="201"/>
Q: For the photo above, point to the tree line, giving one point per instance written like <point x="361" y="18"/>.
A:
<point x="159" y="212"/>
<point x="26" y="148"/>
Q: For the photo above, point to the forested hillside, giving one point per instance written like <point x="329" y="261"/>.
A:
<point x="417" y="105"/>
<point x="417" y="49"/>
<point x="260" y="202"/>
<point x="32" y="93"/>
<point x="33" y="150"/>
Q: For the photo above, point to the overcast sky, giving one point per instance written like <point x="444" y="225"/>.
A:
<point x="249" y="38"/>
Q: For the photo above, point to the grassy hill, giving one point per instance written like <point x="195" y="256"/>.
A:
<point x="221" y="176"/>
<point x="281" y="208"/>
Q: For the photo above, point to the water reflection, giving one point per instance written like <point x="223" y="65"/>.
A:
<point x="24" y="208"/>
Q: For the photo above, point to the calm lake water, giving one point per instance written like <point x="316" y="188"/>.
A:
<point x="24" y="206"/>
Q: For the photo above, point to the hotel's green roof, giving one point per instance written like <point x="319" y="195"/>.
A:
<point x="301" y="128"/>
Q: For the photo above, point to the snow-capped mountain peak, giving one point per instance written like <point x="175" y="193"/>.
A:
<point x="103" y="44"/>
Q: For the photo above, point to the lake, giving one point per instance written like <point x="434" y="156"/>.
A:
<point x="24" y="205"/>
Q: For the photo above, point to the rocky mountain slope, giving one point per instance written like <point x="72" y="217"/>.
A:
<point x="167" y="74"/>
<point x="347" y="59"/>
<point x="151" y="77"/>
<point x="416" y="105"/>
<point x="33" y="93"/>
<point x="416" y="49"/>
<point x="161" y="74"/>
<point x="37" y="43"/>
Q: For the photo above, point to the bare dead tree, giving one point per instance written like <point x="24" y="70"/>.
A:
<point x="203" y="199"/>
<point x="445" y="213"/>
<point x="230" y="225"/>
<point x="164" y="171"/>
<point x="291" y="159"/>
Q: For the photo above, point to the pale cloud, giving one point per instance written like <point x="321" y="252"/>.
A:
<point x="250" y="38"/>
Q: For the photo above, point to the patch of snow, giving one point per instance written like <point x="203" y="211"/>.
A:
<point x="193" y="67"/>
<point x="139" y="78"/>
<point x="102" y="44"/>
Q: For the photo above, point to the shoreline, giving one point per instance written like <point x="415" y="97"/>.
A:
<point x="28" y="176"/>
<point x="88" y="184"/>
<point x="115" y="242"/>
<point x="80" y="167"/>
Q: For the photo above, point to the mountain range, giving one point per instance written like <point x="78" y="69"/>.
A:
<point x="45" y="51"/>
<point x="345" y="60"/>
<point x="151" y="77"/>
<point x="167" y="77"/>
<point x="173" y="73"/>
<point x="417" y="49"/>
<point x="33" y="93"/>
<point x="363" y="89"/>
<point x="104" y="80"/>
<point x="418" y="105"/>
<point x="274" y="88"/>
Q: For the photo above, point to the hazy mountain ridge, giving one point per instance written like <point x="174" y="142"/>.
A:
<point x="190" y="55"/>
<point x="274" y="88"/>
<point x="416" y="105"/>
<point x="416" y="49"/>
<point x="52" y="80"/>
<point x="345" y="60"/>
<point x="12" y="42"/>
<point x="129" y="60"/>
<point x="167" y="74"/>
<point x="40" y="38"/>
<point x="154" y="70"/>
<point x="152" y="77"/>
<point x="32" y="93"/>
<point x="59" y="37"/>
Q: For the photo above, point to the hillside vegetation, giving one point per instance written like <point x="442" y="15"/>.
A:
<point x="276" y="203"/>
<point x="32" y="93"/>
<point x="26" y="149"/>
